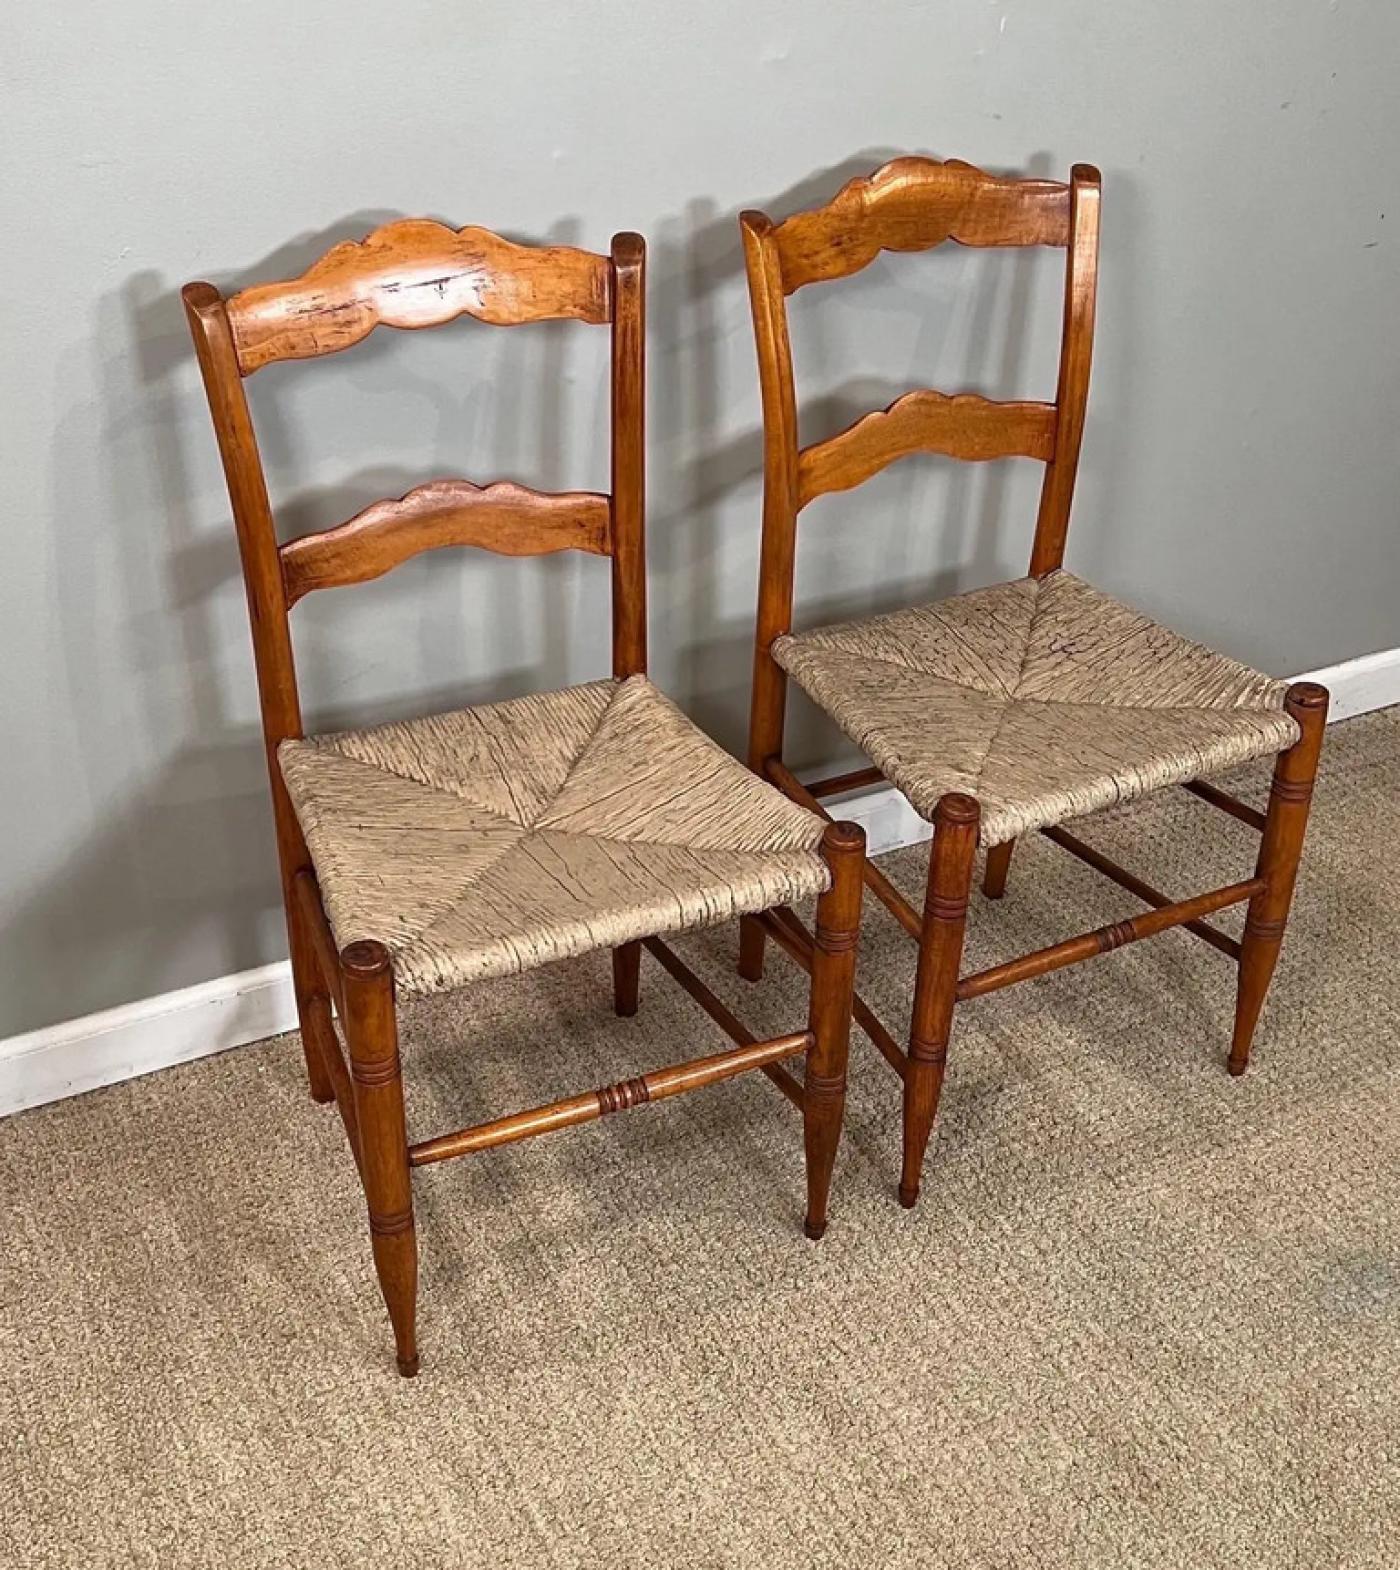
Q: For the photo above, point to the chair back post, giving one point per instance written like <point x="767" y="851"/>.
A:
<point x="1076" y="353"/>
<point x="278" y="699"/>
<point x="628" y="530"/>
<point x="777" y="558"/>
<point x="208" y="317"/>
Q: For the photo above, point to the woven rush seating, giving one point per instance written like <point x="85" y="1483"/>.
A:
<point x="490" y="840"/>
<point x="1018" y="707"/>
<point x="1045" y="699"/>
<point x="435" y="852"/>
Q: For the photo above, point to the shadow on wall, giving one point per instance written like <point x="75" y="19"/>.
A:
<point x="178" y="880"/>
<point x="698" y="267"/>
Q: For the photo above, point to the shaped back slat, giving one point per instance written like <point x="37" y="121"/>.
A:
<point x="410" y="274"/>
<point x="417" y="274"/>
<point x="914" y="204"/>
<point x="965" y="426"/>
<point x="507" y="518"/>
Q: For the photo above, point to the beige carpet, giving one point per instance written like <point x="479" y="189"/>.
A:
<point x="1144" y="1316"/>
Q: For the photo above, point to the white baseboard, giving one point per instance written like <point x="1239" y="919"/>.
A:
<point x="230" y="1011"/>
<point x="151" y="1033"/>
<point x="1372" y="681"/>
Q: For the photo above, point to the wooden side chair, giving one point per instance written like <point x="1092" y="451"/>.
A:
<point x="1013" y="708"/>
<point x="438" y="852"/>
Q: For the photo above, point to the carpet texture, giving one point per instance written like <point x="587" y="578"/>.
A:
<point x="1144" y="1316"/>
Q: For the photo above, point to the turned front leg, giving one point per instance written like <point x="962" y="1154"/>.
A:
<point x="371" y="1033"/>
<point x="1280" y="850"/>
<point x="950" y="867"/>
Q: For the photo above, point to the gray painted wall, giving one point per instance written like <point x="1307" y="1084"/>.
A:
<point x="1240" y="474"/>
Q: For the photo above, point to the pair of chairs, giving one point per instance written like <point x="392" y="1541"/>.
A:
<point x="437" y="852"/>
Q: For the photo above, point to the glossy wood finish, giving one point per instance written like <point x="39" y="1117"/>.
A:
<point x="787" y="930"/>
<point x="658" y="1085"/>
<point x="829" y="1019"/>
<point x="626" y="968"/>
<point x="415" y="273"/>
<point x="967" y="426"/>
<point x="372" y="1035"/>
<point x="509" y="519"/>
<point x="690" y="983"/>
<point x="1076" y="354"/>
<point x="1135" y="885"/>
<point x="1280" y="849"/>
<point x="267" y="611"/>
<point x="1104" y="940"/>
<point x="838" y="784"/>
<point x="951" y="859"/>
<point x="629" y="568"/>
<point x="913" y="204"/>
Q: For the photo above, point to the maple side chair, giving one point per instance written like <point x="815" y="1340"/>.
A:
<point x="432" y="853"/>
<point x="1018" y="707"/>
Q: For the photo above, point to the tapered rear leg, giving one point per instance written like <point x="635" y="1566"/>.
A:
<point x="627" y="968"/>
<point x="371" y="1033"/>
<point x="950" y="868"/>
<point x="829" y="1020"/>
<point x="998" y="865"/>
<point x="751" y="939"/>
<point x="307" y="984"/>
<point x="1285" y="826"/>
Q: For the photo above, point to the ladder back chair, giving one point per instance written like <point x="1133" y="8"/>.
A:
<point x="433" y="853"/>
<point x="1018" y="707"/>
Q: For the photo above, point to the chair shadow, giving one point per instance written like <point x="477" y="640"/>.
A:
<point x="180" y="881"/>
<point x="711" y="568"/>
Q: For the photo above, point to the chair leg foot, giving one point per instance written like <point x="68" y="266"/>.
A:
<point x="1280" y="850"/>
<point x="950" y="868"/>
<point x="396" y="1265"/>
<point x="627" y="969"/>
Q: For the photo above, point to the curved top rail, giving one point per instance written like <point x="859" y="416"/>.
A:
<point x="913" y="204"/>
<point x="414" y="273"/>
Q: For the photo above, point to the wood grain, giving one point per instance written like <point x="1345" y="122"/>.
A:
<point x="1104" y="940"/>
<point x="658" y="1085"/>
<point x="1076" y="357"/>
<point x="507" y="518"/>
<point x="965" y="426"/>
<point x="913" y="204"/>
<point x="629" y="550"/>
<point x="415" y="273"/>
<point x="280" y="703"/>
<point x="950" y="863"/>
<point x="833" y="992"/>
<point x="371" y="1033"/>
<point x="1280" y="850"/>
